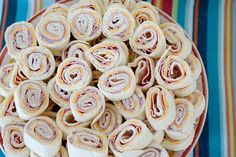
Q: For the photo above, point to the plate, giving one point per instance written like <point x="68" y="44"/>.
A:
<point x="201" y="84"/>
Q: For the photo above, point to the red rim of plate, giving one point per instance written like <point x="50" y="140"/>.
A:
<point x="202" y="118"/>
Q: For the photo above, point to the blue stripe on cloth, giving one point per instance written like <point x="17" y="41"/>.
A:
<point x="11" y="15"/>
<point x="47" y="3"/>
<point x="202" y="41"/>
<point x="1" y="9"/>
<point x="22" y="9"/>
<point x="181" y="13"/>
<point x="212" y="73"/>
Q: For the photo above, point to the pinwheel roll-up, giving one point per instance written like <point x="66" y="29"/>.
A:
<point x="19" y="36"/>
<point x="66" y="122"/>
<point x="131" y="135"/>
<point x="118" y="83"/>
<point x="75" y="48"/>
<point x="58" y="95"/>
<point x="8" y="113"/>
<point x="179" y="44"/>
<point x="195" y="66"/>
<point x="173" y="73"/>
<point x="73" y="73"/>
<point x="87" y="104"/>
<point x="132" y="107"/>
<point x="183" y="92"/>
<point x="31" y="99"/>
<point x="85" y="24"/>
<point x="198" y="101"/>
<point x="160" y="107"/>
<point x="37" y="63"/>
<point x="14" y="140"/>
<point x="87" y="142"/>
<point x="144" y="11"/>
<point x="125" y="3"/>
<point x="182" y="126"/>
<point x="152" y="150"/>
<point x="109" y="121"/>
<point x="17" y="76"/>
<point x="177" y="145"/>
<point x="62" y="153"/>
<point x="148" y="39"/>
<point x="108" y="54"/>
<point x="143" y="68"/>
<point x="56" y="9"/>
<point x="5" y="75"/>
<point x="42" y="136"/>
<point x="95" y="78"/>
<point x="118" y="23"/>
<point x="53" y="32"/>
<point x="158" y="135"/>
<point x="96" y="5"/>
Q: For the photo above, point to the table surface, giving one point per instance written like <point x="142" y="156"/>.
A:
<point x="212" y="26"/>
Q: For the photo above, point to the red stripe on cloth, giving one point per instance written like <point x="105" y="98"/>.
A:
<point x="4" y="19"/>
<point x="167" y="7"/>
<point x="195" y="27"/>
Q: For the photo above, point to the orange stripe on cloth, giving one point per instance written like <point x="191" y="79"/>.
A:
<point x="228" y="73"/>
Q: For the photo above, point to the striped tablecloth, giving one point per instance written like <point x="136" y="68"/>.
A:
<point x="212" y="26"/>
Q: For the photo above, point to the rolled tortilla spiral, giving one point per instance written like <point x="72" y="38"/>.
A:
<point x="56" y="9"/>
<point x="17" y="76"/>
<point x="148" y="39"/>
<point x="85" y="24"/>
<point x="154" y="149"/>
<point x="109" y="121"/>
<point x="53" y="32"/>
<point x="182" y="126"/>
<point x="173" y="73"/>
<point x="19" y="36"/>
<point x="66" y="122"/>
<point x="125" y="3"/>
<point x="179" y="44"/>
<point x="62" y="153"/>
<point x="58" y="95"/>
<point x="183" y="92"/>
<point x="37" y="63"/>
<point x="42" y="136"/>
<point x="195" y="66"/>
<point x="73" y="73"/>
<point x="144" y="11"/>
<point x="160" y="107"/>
<point x="31" y="99"/>
<point x="108" y="54"/>
<point x="87" y="142"/>
<point x="118" y="83"/>
<point x="5" y="76"/>
<point x="143" y="68"/>
<point x="75" y="48"/>
<point x="118" y="23"/>
<point x="131" y="135"/>
<point x="8" y="113"/>
<point x="96" y="5"/>
<point x="177" y="145"/>
<point x="158" y="135"/>
<point x="14" y="140"/>
<point x="87" y="104"/>
<point x="132" y="107"/>
<point x="198" y="101"/>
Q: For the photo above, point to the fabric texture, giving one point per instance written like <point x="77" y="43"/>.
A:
<point x="212" y="26"/>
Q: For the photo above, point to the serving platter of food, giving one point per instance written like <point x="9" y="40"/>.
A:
<point x="101" y="78"/>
